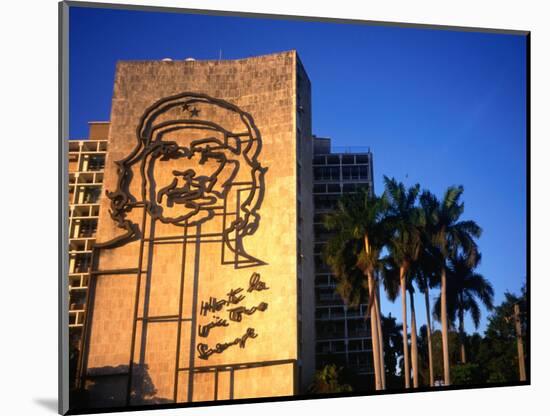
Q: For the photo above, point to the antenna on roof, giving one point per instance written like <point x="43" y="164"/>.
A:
<point x="220" y="58"/>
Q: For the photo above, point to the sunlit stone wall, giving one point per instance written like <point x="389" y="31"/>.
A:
<point x="209" y="183"/>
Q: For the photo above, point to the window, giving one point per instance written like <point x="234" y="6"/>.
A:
<point x="96" y="162"/>
<point x="331" y="173"/>
<point x="361" y="159"/>
<point x="348" y="160"/>
<point x="333" y="160"/>
<point x="91" y="195"/>
<point x="87" y="228"/>
<point x="318" y="160"/>
<point x="319" y="188"/>
<point x="82" y="263"/>
<point x="318" y="248"/>
<point x="318" y="218"/>
<point x="349" y="187"/>
<point x="325" y="202"/>
<point x="322" y="313"/>
<point x="320" y="265"/>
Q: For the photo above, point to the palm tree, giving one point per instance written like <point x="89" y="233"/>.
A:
<point x="353" y="254"/>
<point x="414" y="342"/>
<point x="449" y="237"/>
<point x="426" y="277"/>
<point x="465" y="288"/>
<point x="404" y="219"/>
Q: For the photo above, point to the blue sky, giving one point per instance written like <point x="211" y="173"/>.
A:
<point x="436" y="107"/>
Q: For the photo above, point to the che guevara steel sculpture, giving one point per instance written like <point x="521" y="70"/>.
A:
<point x="196" y="159"/>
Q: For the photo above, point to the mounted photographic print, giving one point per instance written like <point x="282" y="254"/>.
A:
<point x="278" y="208"/>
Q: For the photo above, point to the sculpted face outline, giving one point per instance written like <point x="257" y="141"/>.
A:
<point x="229" y="158"/>
<point x="201" y="177"/>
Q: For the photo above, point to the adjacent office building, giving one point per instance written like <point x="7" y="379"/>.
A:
<point x="86" y="163"/>
<point x="342" y="334"/>
<point x="192" y="232"/>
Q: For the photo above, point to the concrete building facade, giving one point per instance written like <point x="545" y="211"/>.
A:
<point x="201" y="284"/>
<point x="86" y="163"/>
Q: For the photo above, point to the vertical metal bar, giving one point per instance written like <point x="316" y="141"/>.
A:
<point x="182" y="283"/>
<point x="136" y="306"/>
<point x="223" y="229"/>
<point x="237" y="215"/>
<point x="216" y="384"/>
<point x="194" y="314"/>
<point x="231" y="383"/>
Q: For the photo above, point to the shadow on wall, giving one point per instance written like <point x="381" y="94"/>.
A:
<point x="106" y="387"/>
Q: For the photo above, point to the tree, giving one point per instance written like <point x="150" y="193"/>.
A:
<point x="353" y="254"/>
<point x="449" y="237"/>
<point x="393" y="347"/>
<point x="329" y="379"/>
<point x="404" y="247"/>
<point x="414" y="341"/>
<point x="425" y="275"/>
<point x="465" y="288"/>
<point x="437" y="345"/>
<point x="498" y="350"/>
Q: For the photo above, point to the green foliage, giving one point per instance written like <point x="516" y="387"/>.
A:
<point x="404" y="219"/>
<point x="358" y="236"/>
<point x="449" y="237"/>
<point x="466" y="374"/>
<point x="437" y="351"/>
<point x="497" y="354"/>
<point x="393" y="343"/>
<point x="464" y="289"/>
<point x="329" y="380"/>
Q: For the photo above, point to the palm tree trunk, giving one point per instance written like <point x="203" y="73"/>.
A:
<point x="414" y="345"/>
<point x="462" y="338"/>
<point x="429" y="325"/>
<point x="444" y="328"/>
<point x="407" y="372"/>
<point x="374" y="331"/>
<point x="380" y="338"/>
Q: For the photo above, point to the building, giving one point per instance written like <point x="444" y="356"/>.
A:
<point x="342" y="334"/>
<point x="86" y="163"/>
<point x="195" y="219"/>
<point x="201" y="282"/>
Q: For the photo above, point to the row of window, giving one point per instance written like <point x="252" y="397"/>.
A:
<point x="356" y="330"/>
<point x="85" y="195"/>
<point x="83" y="228"/>
<point x="88" y="163"/>
<point x="336" y="173"/>
<point x="322" y="188"/>
<point x="339" y="312"/>
<point x="340" y="159"/>
<point x="353" y="345"/>
<point x="361" y="362"/>
<point x="325" y="201"/>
